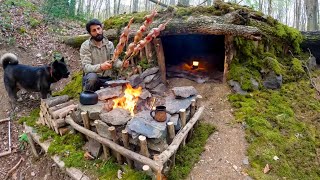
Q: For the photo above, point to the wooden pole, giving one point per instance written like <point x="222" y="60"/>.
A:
<point x="198" y="105"/>
<point x="171" y="131"/>
<point x="158" y="172"/>
<point x="139" y="69"/>
<point x="55" y="100"/>
<point x="173" y="147"/>
<point x="85" y="119"/>
<point x="148" y="49"/>
<point x="125" y="140"/>
<point x="156" y="166"/>
<point x="183" y="119"/>
<point x="33" y="147"/>
<point x="193" y="107"/>
<point x="192" y="111"/>
<point x="161" y="59"/>
<point x="106" y="152"/>
<point x="228" y="44"/>
<point x="148" y="171"/>
<point x="143" y="146"/>
<point x="115" y="139"/>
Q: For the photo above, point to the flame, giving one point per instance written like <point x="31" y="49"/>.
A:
<point x="129" y="100"/>
<point x="195" y="63"/>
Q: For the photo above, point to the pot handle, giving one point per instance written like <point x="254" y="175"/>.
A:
<point x="152" y="114"/>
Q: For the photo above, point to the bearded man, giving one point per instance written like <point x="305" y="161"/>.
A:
<point x="95" y="54"/>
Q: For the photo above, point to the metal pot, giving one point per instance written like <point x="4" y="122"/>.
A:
<point x="88" y="98"/>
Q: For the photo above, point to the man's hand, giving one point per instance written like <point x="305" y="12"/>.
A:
<point x="105" y="66"/>
<point x="125" y="64"/>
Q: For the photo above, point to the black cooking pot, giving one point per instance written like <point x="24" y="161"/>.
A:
<point x="88" y="98"/>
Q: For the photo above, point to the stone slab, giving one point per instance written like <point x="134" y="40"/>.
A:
<point x="109" y="92"/>
<point x="173" y="105"/>
<point x="149" y="71"/>
<point x="184" y="91"/>
<point x="143" y="124"/>
<point x="116" y="117"/>
<point x="93" y="110"/>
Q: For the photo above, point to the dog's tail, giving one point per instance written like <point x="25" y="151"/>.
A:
<point x="8" y="58"/>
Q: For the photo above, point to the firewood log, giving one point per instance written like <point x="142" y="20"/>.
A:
<point x="59" y="106"/>
<point x="56" y="114"/>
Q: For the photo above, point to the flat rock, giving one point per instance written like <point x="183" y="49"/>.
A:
<point x="173" y="105"/>
<point x="158" y="145"/>
<point x="237" y="87"/>
<point x="175" y="119"/>
<point x="272" y="81"/>
<point x="143" y="124"/>
<point x="149" y="71"/>
<point x="145" y="94"/>
<point x="109" y="92"/>
<point x="153" y="83"/>
<point x="184" y="91"/>
<point x="102" y="129"/>
<point x="159" y="89"/>
<point x="94" y="147"/>
<point x="116" y="117"/>
<point x="115" y="83"/>
<point x="149" y="78"/>
<point x="93" y="110"/>
<point x="135" y="80"/>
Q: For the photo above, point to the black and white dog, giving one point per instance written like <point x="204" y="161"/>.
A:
<point x="37" y="79"/>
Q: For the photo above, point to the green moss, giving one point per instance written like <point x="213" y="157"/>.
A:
<point x="117" y="22"/>
<point x="188" y="155"/>
<point x="73" y="88"/>
<point x="278" y="125"/>
<point x="274" y="65"/>
<point x="297" y="67"/>
<point x="144" y="64"/>
<point x="31" y="119"/>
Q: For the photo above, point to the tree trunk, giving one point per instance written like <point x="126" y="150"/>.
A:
<point x="118" y="8"/>
<point x="115" y="7"/>
<point x="312" y="14"/>
<point x="172" y="2"/>
<point x="80" y="8"/>
<point x="269" y="7"/>
<point x="297" y="14"/>
<point x="135" y="6"/>
<point x="88" y="9"/>
<point x="260" y="5"/>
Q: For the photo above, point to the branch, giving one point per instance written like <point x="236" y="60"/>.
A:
<point x="160" y="3"/>
<point x="202" y="2"/>
<point x="14" y="168"/>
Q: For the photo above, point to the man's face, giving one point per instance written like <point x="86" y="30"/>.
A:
<point x="96" y="32"/>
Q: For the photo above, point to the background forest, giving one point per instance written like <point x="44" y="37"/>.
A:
<point x="300" y="14"/>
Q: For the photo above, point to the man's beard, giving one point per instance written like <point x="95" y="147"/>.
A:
<point x="98" y="37"/>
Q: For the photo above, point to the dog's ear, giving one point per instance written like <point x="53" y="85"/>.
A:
<point x="55" y="62"/>
<point x="62" y="59"/>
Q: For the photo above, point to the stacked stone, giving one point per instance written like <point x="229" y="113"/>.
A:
<point x="150" y="79"/>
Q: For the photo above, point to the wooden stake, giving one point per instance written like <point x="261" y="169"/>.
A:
<point x="33" y="147"/>
<point x="228" y="44"/>
<point x="198" y="105"/>
<point x="148" y="171"/>
<point x="139" y="69"/>
<point x="125" y="140"/>
<point x="193" y="107"/>
<point x="64" y="130"/>
<point x="106" y="152"/>
<point x="55" y="100"/>
<point x="143" y="146"/>
<point x="85" y="119"/>
<point x="183" y="119"/>
<point x="171" y="131"/>
<point x="63" y="111"/>
<point x="113" y="133"/>
<point x="125" y="152"/>
<point x="161" y="59"/>
<point x="173" y="147"/>
<point x="148" y="49"/>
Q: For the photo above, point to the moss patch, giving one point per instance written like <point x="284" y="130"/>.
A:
<point x="73" y="88"/>
<point x="280" y="123"/>
<point x="188" y="155"/>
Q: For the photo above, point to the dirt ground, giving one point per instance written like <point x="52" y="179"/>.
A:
<point x="223" y="158"/>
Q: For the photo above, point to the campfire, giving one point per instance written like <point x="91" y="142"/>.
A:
<point x="194" y="67"/>
<point x="129" y="100"/>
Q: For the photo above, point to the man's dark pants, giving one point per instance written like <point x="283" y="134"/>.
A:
<point x="92" y="82"/>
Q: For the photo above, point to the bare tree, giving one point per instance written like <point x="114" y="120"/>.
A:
<point x="135" y="5"/>
<point x="269" y="7"/>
